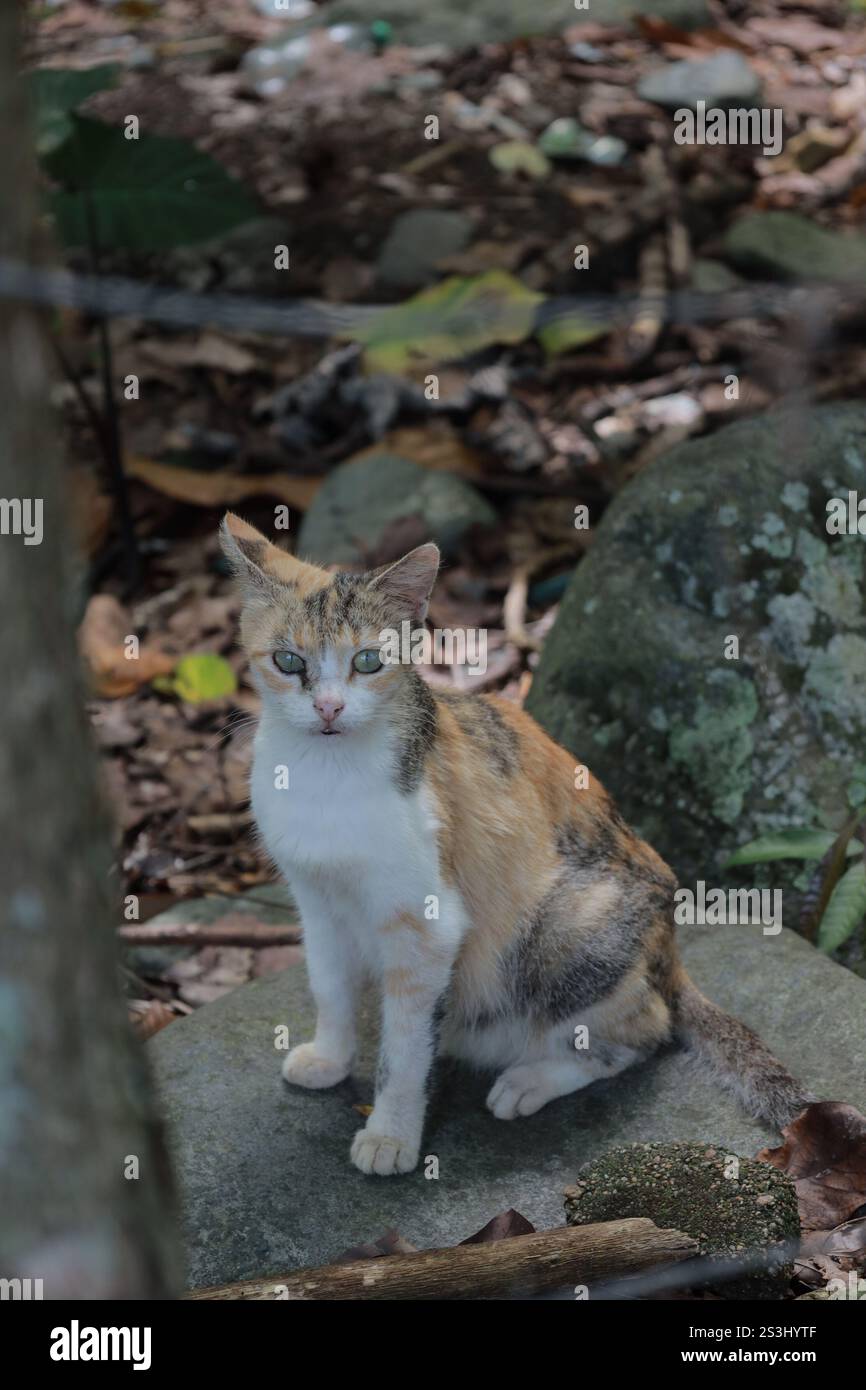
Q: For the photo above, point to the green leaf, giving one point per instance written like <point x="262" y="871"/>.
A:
<point x="788" y="844"/>
<point x="519" y="157"/>
<point x="147" y="195"/>
<point x="567" y="331"/>
<point x="460" y="316"/>
<point x="856" y="791"/>
<point x="846" y="908"/>
<point x="202" y="676"/>
<point x="55" y="92"/>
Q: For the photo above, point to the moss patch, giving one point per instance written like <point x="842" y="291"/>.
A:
<point x="726" y="1203"/>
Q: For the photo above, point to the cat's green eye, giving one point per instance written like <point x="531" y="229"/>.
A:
<point x="289" y="662"/>
<point x="367" y="662"/>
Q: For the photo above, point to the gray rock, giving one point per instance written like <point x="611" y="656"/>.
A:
<point x="692" y="1188"/>
<point x="459" y="25"/>
<point x="721" y="81"/>
<point x="787" y="246"/>
<point x="723" y="536"/>
<point x="712" y="277"/>
<point x="263" y="1168"/>
<point x="383" y="503"/>
<point x="417" y="241"/>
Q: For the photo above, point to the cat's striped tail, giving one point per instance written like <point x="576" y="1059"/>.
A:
<point x="736" y="1057"/>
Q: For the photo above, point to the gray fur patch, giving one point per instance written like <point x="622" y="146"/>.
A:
<point x="418" y="734"/>
<point x="481" y="722"/>
<point x="548" y="987"/>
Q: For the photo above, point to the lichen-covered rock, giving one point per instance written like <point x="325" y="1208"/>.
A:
<point x="724" y="538"/>
<point x="381" y="505"/>
<point x="728" y="1204"/>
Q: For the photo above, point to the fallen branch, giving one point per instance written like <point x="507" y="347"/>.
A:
<point x="516" y="1266"/>
<point x="230" y="933"/>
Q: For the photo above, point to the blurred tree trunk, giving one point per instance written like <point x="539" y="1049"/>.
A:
<point x="75" y="1113"/>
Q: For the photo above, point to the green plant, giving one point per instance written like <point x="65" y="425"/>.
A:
<point x="834" y="903"/>
<point x="116" y="188"/>
<point x="146" y="194"/>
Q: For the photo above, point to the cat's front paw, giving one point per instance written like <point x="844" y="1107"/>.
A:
<point x="304" y="1066"/>
<point x="378" y="1153"/>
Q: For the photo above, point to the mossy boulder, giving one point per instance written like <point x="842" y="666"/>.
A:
<point x="728" y="1204"/>
<point x="722" y="547"/>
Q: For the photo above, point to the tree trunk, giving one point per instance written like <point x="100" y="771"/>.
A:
<point x="75" y="1115"/>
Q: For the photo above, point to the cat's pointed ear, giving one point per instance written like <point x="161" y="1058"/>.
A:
<point x="410" y="581"/>
<point x="261" y="567"/>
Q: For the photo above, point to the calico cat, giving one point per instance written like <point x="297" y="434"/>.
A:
<point x="438" y="843"/>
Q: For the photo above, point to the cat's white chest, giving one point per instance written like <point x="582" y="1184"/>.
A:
<point x="319" y="807"/>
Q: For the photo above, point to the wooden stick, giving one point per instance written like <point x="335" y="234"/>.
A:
<point x="233" y="933"/>
<point x="518" y="1265"/>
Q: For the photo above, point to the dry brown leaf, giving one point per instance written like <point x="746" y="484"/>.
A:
<point x="847" y="1241"/>
<point x="795" y="32"/>
<point x="222" y="489"/>
<point x="507" y="1223"/>
<point x="149" y="1017"/>
<point x="660" y="31"/>
<point x="433" y="445"/>
<point x="210" y="350"/>
<point x="102" y="642"/>
<point x="272" y="960"/>
<point x="391" y="1243"/>
<point x="825" y="1154"/>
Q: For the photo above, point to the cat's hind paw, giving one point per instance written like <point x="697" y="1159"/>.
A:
<point x="521" y="1090"/>
<point x="304" y="1066"/>
<point x="377" y="1153"/>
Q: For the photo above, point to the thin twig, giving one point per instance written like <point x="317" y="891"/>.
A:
<point x="112" y="440"/>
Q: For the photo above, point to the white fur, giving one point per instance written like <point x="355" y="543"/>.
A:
<point x="356" y="854"/>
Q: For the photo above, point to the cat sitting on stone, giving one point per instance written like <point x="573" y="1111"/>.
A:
<point x="437" y="844"/>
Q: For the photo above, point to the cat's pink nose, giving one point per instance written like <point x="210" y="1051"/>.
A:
<point x="328" y="709"/>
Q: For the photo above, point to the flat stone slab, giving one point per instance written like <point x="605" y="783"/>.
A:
<point x="263" y="1168"/>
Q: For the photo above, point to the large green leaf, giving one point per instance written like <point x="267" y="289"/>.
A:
<point x="459" y="316"/>
<point x="148" y="194"/>
<point x="845" y="910"/>
<point x="55" y="92"/>
<point x="788" y="844"/>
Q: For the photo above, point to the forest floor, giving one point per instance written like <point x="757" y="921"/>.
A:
<point x="337" y="154"/>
